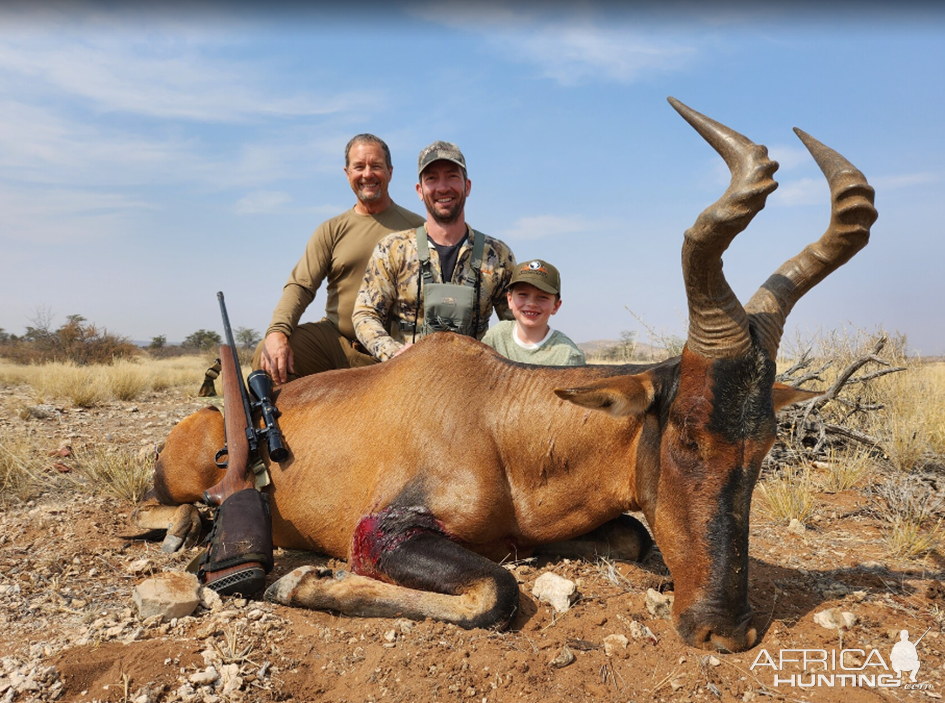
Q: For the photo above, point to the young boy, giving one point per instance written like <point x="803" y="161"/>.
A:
<point x="534" y="296"/>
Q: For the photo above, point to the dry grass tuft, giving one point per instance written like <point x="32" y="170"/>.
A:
<point x="115" y="472"/>
<point x="845" y="468"/>
<point x="913" y="513"/>
<point x="788" y="496"/>
<point x="907" y="538"/>
<point x="127" y="380"/>
<point x="21" y="468"/>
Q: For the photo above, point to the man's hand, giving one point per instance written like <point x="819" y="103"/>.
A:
<point x="402" y="349"/>
<point x="277" y="358"/>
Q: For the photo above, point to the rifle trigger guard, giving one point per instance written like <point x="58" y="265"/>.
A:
<point x="216" y="458"/>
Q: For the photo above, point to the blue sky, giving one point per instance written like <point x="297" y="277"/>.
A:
<point x="151" y="158"/>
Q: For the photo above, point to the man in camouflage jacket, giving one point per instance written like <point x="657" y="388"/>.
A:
<point x="388" y="315"/>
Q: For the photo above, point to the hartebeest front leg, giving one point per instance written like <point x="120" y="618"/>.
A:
<point x="623" y="538"/>
<point x="425" y="576"/>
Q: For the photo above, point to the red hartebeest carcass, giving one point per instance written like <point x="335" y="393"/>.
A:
<point x="424" y="485"/>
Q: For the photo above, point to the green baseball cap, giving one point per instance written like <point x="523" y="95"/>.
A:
<point x="440" y="151"/>
<point x="538" y="273"/>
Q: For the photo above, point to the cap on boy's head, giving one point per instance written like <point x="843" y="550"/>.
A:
<point x="538" y="273"/>
<point x="440" y="151"/>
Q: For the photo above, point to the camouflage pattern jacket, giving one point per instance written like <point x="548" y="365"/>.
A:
<point x="387" y="308"/>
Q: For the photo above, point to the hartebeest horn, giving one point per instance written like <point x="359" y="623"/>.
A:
<point x="718" y="324"/>
<point x="852" y="213"/>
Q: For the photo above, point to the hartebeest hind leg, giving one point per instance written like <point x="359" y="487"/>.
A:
<point x="623" y="538"/>
<point x="425" y="576"/>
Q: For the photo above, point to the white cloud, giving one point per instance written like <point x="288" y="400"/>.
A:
<point x="544" y="226"/>
<point x="905" y="180"/>
<point x="789" y="157"/>
<point x="158" y="76"/>
<point x="261" y="202"/>
<point x="570" y="47"/>
<point x="62" y="215"/>
<point x="805" y="191"/>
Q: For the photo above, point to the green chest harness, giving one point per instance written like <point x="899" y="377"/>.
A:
<point x="448" y="307"/>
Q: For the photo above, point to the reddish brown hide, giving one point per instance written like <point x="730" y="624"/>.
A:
<point x="496" y="458"/>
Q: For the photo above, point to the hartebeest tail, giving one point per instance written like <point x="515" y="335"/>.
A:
<point x="423" y="492"/>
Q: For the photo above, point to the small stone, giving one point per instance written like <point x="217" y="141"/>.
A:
<point x="172" y="594"/>
<point x="205" y="677"/>
<point x="231" y="679"/>
<point x="835" y="619"/>
<point x="210" y="599"/>
<point x="658" y="604"/>
<point x="558" y="592"/>
<point x="614" y="643"/>
<point x="140" y="566"/>
<point x="796" y="527"/>
<point x="712" y="660"/>
<point x="390" y="636"/>
<point x="563" y="658"/>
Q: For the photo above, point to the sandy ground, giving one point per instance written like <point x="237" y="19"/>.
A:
<point x="69" y="630"/>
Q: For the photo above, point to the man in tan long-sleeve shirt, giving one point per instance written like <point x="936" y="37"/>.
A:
<point x="338" y="251"/>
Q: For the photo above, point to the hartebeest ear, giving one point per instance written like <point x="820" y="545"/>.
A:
<point x="785" y="395"/>
<point x="617" y="396"/>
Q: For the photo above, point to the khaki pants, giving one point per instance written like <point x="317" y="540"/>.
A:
<point x="318" y="347"/>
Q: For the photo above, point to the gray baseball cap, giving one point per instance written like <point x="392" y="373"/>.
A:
<point x="440" y="151"/>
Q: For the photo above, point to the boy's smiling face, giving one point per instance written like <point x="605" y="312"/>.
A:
<point x="532" y="307"/>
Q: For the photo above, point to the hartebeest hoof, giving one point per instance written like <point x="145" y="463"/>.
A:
<point x="184" y="531"/>
<point x="283" y="590"/>
<point x="182" y="522"/>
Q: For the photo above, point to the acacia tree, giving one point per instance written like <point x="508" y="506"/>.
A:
<point x="202" y="340"/>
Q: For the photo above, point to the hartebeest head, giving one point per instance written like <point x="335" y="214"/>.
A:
<point x="716" y="410"/>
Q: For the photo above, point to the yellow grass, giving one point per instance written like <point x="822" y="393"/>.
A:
<point x="788" y="496"/>
<point x="21" y="468"/>
<point x="114" y="471"/>
<point x="911" y="538"/>
<point x="844" y="469"/>
<point x="87" y="386"/>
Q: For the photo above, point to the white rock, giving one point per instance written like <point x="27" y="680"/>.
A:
<point x="140" y="566"/>
<point x="172" y="594"/>
<point x="658" y="604"/>
<point x="232" y="681"/>
<point x="614" y="643"/>
<point x="558" y="592"/>
<point x="205" y="677"/>
<point x="835" y="619"/>
<point x="796" y="527"/>
<point x="210" y="599"/>
<point x="640" y="631"/>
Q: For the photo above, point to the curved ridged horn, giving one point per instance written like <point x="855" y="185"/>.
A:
<point x="851" y="216"/>
<point x="718" y="325"/>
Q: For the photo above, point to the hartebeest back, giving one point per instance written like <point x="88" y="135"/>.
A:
<point x="422" y="486"/>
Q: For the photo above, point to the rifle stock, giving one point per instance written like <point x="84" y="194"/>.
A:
<point x="237" y="476"/>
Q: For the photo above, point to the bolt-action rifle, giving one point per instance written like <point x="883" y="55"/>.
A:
<point x="240" y="551"/>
